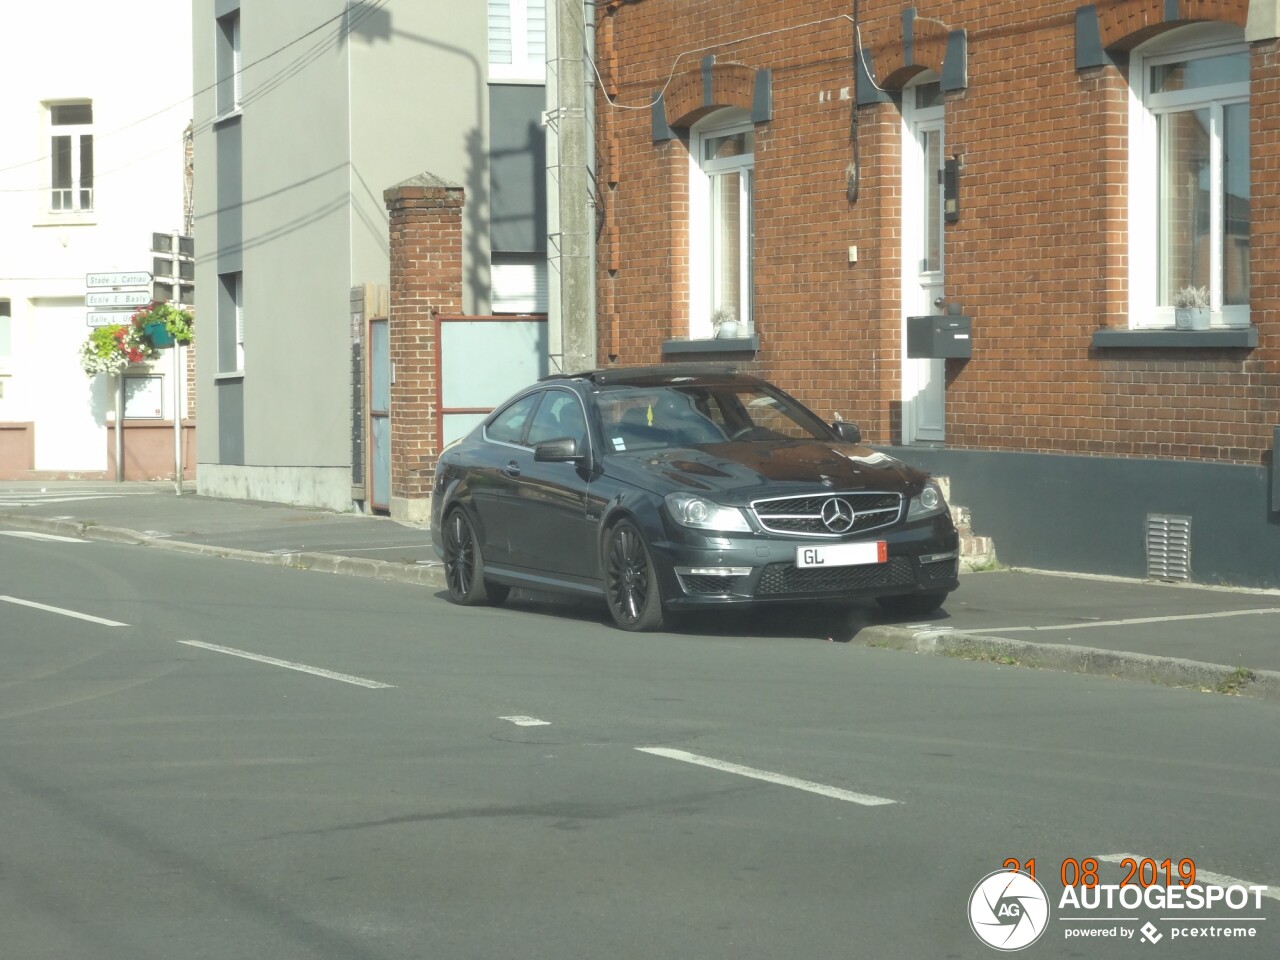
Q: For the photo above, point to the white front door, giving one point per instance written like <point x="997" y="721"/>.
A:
<point x="923" y="419"/>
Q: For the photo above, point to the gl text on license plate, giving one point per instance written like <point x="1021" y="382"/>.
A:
<point x="842" y="554"/>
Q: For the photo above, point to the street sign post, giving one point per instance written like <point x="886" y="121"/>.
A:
<point x="137" y="278"/>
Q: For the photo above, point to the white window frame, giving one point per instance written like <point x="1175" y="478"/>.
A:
<point x="227" y="60"/>
<point x="528" y="53"/>
<point x="233" y="283"/>
<point x="702" y="255"/>
<point x="518" y="283"/>
<point x="73" y="203"/>
<point x="1145" y="308"/>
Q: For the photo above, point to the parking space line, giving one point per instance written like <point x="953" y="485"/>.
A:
<point x="865" y="799"/>
<point x="1090" y="624"/>
<point x="63" y="612"/>
<point x="1221" y="879"/>
<point x="290" y="665"/>
<point x="33" y="535"/>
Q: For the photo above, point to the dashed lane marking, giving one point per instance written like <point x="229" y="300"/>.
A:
<point x="63" y="612"/>
<point x="290" y="665"/>
<point x="822" y="789"/>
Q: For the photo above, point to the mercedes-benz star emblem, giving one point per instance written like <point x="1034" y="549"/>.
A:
<point x="837" y="514"/>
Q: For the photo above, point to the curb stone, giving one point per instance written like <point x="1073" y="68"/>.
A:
<point x="1071" y="658"/>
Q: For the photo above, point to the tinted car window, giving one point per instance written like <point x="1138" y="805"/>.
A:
<point x="508" y="425"/>
<point x="559" y="417"/>
<point x="648" y="418"/>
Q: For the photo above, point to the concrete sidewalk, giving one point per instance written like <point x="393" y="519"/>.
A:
<point x="1204" y="638"/>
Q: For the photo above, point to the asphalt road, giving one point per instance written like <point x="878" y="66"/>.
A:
<point x="230" y="760"/>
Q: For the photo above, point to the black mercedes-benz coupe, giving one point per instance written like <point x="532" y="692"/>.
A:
<point x="663" y="489"/>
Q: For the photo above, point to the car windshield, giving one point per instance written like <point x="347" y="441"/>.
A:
<point x="666" y="416"/>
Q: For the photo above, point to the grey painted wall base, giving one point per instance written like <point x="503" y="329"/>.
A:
<point x="327" y="488"/>
<point x="1088" y="514"/>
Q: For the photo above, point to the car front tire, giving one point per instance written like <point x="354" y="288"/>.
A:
<point x="912" y="604"/>
<point x="464" y="564"/>
<point x="631" y="582"/>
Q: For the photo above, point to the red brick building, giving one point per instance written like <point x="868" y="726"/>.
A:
<point x="1047" y="176"/>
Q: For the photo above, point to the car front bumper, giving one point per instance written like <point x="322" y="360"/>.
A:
<point x="715" y="571"/>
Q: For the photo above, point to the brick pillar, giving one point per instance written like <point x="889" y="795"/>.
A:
<point x="426" y="279"/>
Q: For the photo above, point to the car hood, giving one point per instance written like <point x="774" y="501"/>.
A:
<point x="749" y="469"/>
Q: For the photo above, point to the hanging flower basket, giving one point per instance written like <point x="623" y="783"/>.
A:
<point x="163" y="324"/>
<point x="113" y="348"/>
<point x="158" y="334"/>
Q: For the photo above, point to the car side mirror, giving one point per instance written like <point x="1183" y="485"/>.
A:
<point x="561" y="450"/>
<point x="846" y="431"/>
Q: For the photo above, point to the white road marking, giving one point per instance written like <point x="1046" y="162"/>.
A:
<point x="27" y="500"/>
<point x="290" y="665"/>
<point x="1089" y="625"/>
<point x="65" y="613"/>
<point x="527" y="721"/>
<point x="866" y="799"/>
<point x="32" y="535"/>
<point x="1221" y="879"/>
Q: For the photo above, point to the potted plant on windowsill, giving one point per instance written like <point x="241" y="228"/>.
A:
<point x="725" y="324"/>
<point x="1191" y="308"/>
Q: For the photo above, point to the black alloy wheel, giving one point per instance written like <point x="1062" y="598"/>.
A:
<point x="464" y="566"/>
<point x="631" y="583"/>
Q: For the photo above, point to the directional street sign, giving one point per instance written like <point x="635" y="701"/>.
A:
<point x="137" y="278"/>
<point x="107" y="319"/>
<point x="118" y="298"/>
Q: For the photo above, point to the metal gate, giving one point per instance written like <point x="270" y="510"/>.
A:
<point x="480" y="362"/>
<point x="379" y="414"/>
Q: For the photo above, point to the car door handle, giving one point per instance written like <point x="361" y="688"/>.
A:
<point x="512" y="469"/>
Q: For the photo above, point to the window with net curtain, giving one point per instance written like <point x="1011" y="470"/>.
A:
<point x="1196" y="153"/>
<point x="721" y="200"/>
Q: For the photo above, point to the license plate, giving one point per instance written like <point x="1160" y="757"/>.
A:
<point x="842" y="554"/>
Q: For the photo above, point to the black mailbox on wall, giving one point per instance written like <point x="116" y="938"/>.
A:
<point x="945" y="336"/>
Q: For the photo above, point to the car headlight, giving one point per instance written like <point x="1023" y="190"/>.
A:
<point x="928" y="503"/>
<point x="690" y="510"/>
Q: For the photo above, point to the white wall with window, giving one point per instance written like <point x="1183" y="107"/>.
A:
<point x="518" y="40"/>
<point x="1189" y="167"/>
<point x="721" y="175"/>
<point x="92" y="163"/>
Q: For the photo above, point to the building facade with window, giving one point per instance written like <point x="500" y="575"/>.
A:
<point x="306" y="115"/>
<point x="92" y="163"/>
<point x="974" y="228"/>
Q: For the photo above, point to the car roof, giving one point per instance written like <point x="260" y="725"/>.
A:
<point x="660" y="375"/>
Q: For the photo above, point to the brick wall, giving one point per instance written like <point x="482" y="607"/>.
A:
<point x="426" y="279"/>
<point x="1038" y="257"/>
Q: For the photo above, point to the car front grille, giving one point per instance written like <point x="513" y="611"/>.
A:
<point x="803" y="515"/>
<point x="783" y="578"/>
<point x="939" y="570"/>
